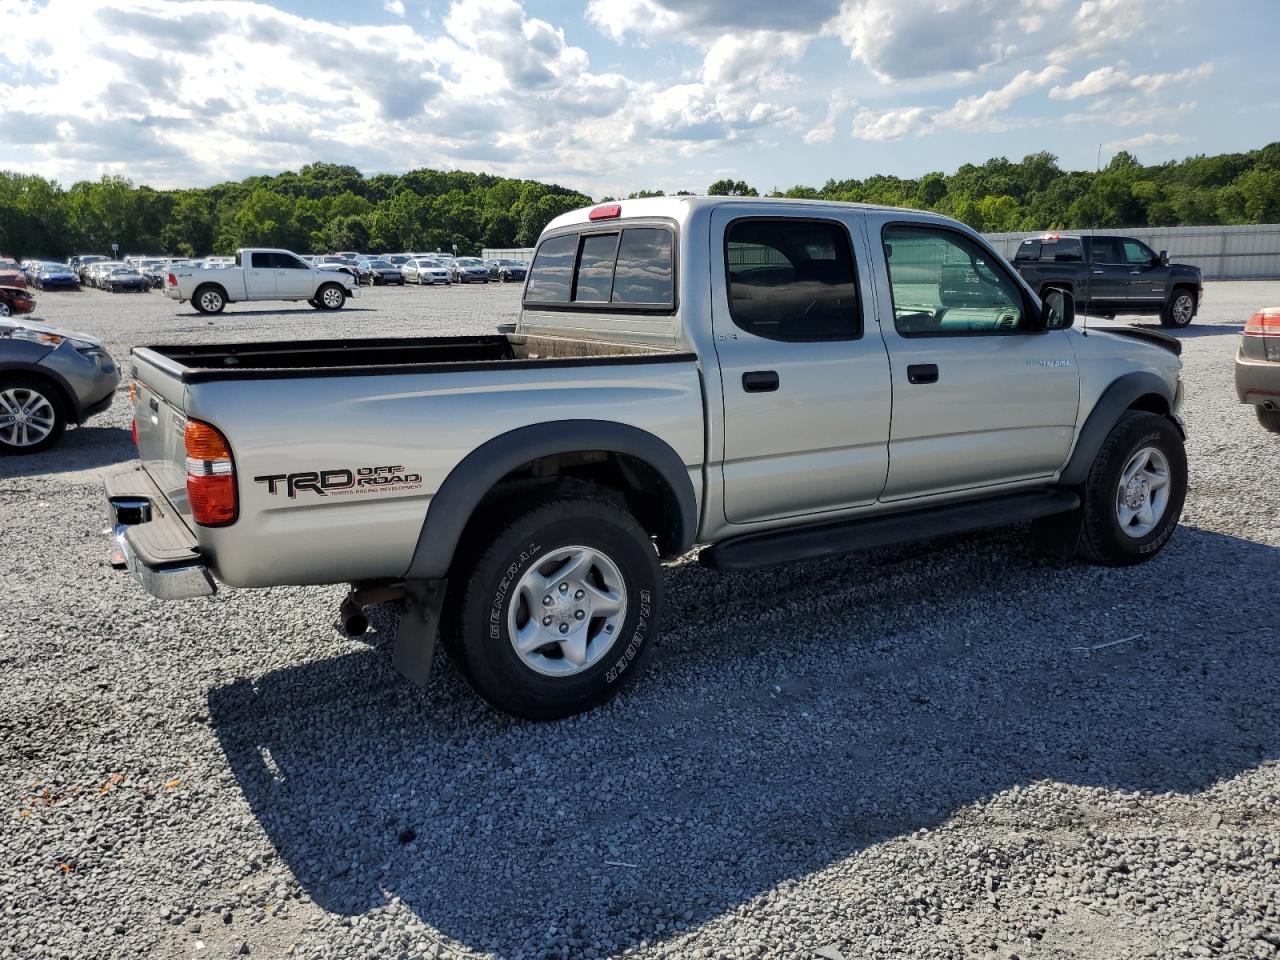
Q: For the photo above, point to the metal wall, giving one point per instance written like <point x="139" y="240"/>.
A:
<point x="508" y="253"/>
<point x="1221" y="253"/>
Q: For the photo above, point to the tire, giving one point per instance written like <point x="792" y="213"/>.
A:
<point x="40" y="405"/>
<point x="313" y="303"/>
<point x="1112" y="533"/>
<point x="1180" y="310"/>
<point x="4" y="309"/>
<point x="496" y="590"/>
<point x="331" y="297"/>
<point x="209" y="299"/>
<point x="1270" y="419"/>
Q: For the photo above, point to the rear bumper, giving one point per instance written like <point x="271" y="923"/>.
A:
<point x="150" y="540"/>
<point x="1258" y="382"/>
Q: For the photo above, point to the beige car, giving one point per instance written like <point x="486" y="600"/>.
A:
<point x="1258" y="367"/>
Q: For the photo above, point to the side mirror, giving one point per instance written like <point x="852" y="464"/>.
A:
<point x="1058" y="310"/>
<point x="1164" y="258"/>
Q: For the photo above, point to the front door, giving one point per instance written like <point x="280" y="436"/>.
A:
<point x="805" y="377"/>
<point x="260" y="276"/>
<point x="1147" y="275"/>
<point x="980" y="396"/>
<point x="293" y="278"/>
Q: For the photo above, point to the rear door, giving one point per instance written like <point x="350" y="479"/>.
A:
<point x="260" y="276"/>
<point x="980" y="397"/>
<point x="1107" y="282"/>
<point x="805" y="374"/>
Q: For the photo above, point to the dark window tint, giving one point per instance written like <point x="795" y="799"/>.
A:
<point x="1065" y="250"/>
<point x="792" y="280"/>
<point x="551" y="278"/>
<point x="595" y="268"/>
<point x="1105" y="250"/>
<point x="261" y="261"/>
<point x="1028" y="250"/>
<point x="644" y="272"/>
<point x="286" y="262"/>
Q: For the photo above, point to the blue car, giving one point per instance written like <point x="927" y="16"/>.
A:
<point x="51" y="276"/>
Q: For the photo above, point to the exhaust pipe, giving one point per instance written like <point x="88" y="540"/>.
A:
<point x="351" y="615"/>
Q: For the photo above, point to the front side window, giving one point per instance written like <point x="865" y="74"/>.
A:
<point x="286" y="262"/>
<point x="1137" y="254"/>
<point x="945" y="284"/>
<point x="792" y="280"/>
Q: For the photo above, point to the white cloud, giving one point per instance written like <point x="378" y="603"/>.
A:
<point x="980" y="112"/>
<point x="1144" y="140"/>
<point x="395" y="7"/>
<point x="1110" y="79"/>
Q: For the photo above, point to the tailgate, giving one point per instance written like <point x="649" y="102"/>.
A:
<point x="161" y="422"/>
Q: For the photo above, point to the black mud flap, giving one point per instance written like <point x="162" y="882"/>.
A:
<point x="415" y="643"/>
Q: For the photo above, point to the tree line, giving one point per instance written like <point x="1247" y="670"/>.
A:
<point x="326" y="207"/>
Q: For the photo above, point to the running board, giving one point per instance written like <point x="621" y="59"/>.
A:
<point x="754" y="550"/>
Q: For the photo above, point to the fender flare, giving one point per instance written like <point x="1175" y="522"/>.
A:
<point x="1111" y="406"/>
<point x="471" y="480"/>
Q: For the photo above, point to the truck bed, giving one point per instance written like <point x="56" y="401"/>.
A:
<point x="198" y="363"/>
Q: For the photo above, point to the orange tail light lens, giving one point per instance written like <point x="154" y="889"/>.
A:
<point x="211" y="476"/>
<point x="1264" y="323"/>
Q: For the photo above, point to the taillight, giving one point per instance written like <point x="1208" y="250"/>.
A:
<point x="607" y="211"/>
<point x="133" y="429"/>
<point x="211" y="476"/>
<point x="173" y="280"/>
<point x="1264" y="323"/>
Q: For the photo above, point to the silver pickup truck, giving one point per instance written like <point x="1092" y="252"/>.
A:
<point x="772" y="380"/>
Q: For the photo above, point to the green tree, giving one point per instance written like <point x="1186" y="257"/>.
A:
<point x="731" y="188"/>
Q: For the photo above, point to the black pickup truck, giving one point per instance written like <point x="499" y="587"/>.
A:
<point x="1110" y="275"/>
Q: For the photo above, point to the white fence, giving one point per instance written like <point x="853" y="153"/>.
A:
<point x="1221" y="253"/>
<point x="510" y="253"/>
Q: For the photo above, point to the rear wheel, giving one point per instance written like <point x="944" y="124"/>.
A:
<point x="4" y="309"/>
<point x="1135" y="491"/>
<point x="31" y="415"/>
<point x="209" y="299"/>
<point x="1270" y="419"/>
<point x="331" y="297"/>
<point x="559" y="608"/>
<point x="1180" y="309"/>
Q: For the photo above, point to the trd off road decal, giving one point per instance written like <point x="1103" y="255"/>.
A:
<point x="342" y="483"/>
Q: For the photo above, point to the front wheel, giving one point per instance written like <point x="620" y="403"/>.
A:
<point x="1180" y="310"/>
<point x="558" y="609"/>
<point x="4" y="309"/>
<point x="1135" y="491"/>
<point x="31" y="415"/>
<point x="1270" y="419"/>
<point x="331" y="297"/>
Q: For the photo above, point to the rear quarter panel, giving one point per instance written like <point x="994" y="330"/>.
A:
<point x="420" y="424"/>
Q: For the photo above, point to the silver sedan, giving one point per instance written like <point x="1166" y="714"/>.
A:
<point x="49" y="378"/>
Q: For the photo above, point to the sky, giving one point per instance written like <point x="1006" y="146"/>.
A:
<point x="612" y="96"/>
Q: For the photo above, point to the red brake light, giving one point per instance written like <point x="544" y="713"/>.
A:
<point x="606" y="211"/>
<point x="173" y="280"/>
<point x="1264" y="323"/>
<point x="211" y="476"/>
<point x="133" y="429"/>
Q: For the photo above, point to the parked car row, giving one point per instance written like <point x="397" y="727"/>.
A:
<point x="422" y="268"/>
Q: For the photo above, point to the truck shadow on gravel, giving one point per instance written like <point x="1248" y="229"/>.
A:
<point x="793" y="718"/>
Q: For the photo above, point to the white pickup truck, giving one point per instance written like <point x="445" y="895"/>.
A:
<point x="259" y="274"/>
<point x="772" y="380"/>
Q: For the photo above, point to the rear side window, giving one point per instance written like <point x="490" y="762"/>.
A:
<point x="630" y="268"/>
<point x="1027" y="250"/>
<point x="261" y="261"/>
<point x="1065" y="250"/>
<point x="792" y="280"/>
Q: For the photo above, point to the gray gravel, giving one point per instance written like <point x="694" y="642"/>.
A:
<point x="898" y="755"/>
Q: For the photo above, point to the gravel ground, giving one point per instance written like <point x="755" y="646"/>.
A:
<point x="907" y="754"/>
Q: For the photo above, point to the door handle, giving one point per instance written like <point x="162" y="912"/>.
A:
<point x="1134" y="273"/>
<point x="760" y="381"/>
<point x="1098" y="273"/>
<point x="922" y="373"/>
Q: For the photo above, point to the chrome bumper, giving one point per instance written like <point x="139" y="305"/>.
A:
<point x="139" y="518"/>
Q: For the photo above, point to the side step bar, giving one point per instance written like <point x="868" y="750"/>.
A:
<point x="869" y="533"/>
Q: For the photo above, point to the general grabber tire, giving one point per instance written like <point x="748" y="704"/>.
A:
<point x="559" y="605"/>
<point x="1135" y="491"/>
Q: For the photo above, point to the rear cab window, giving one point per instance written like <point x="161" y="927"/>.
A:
<point x="619" y="268"/>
